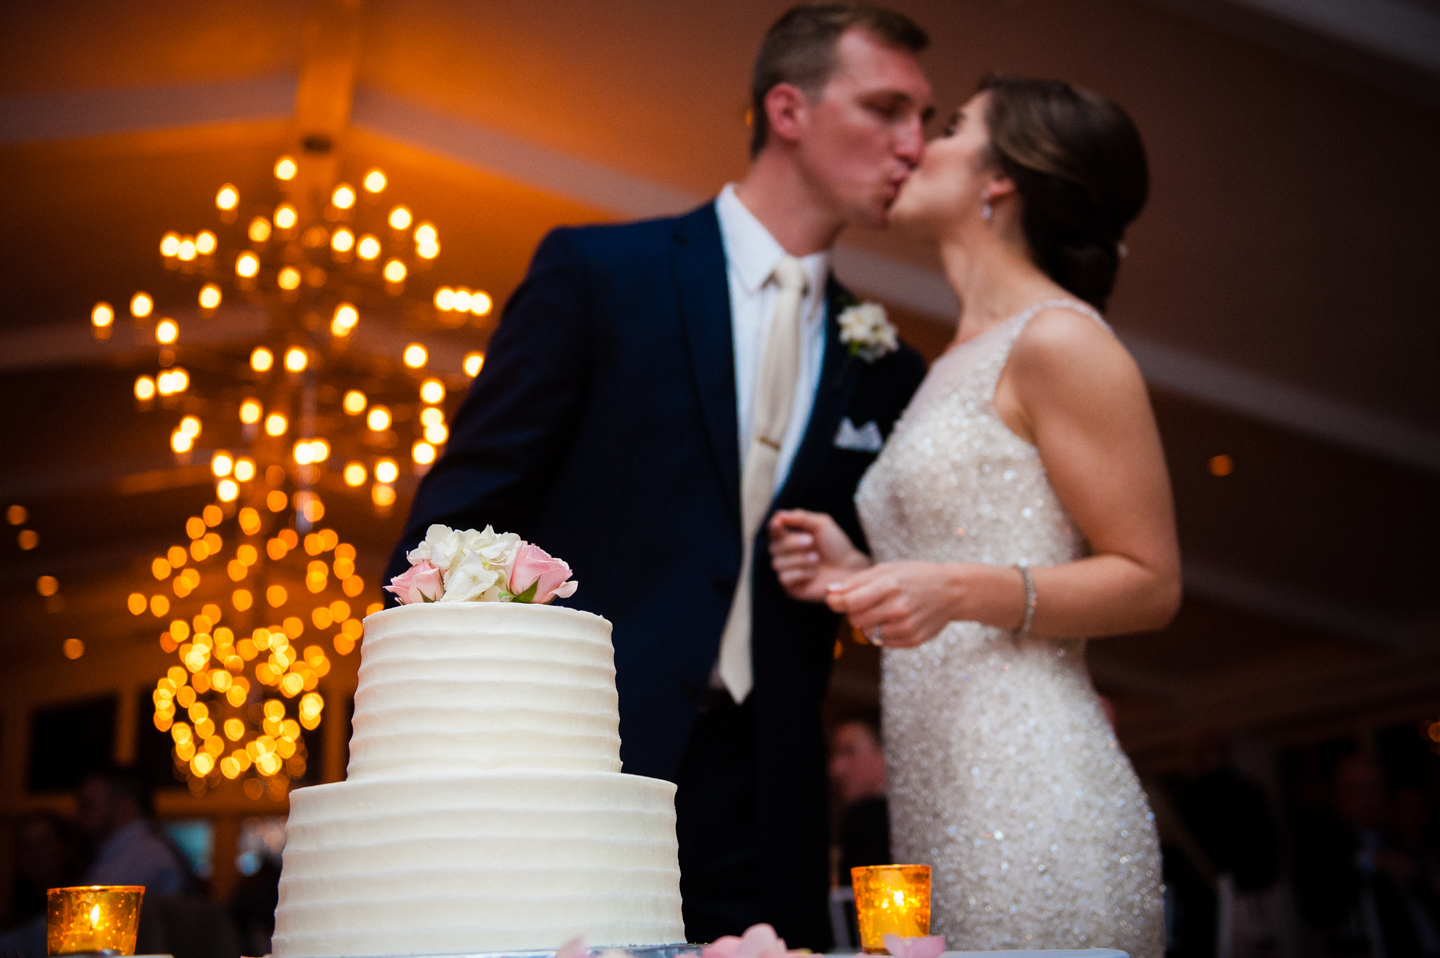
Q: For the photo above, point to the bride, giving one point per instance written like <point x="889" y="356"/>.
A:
<point x="1020" y="506"/>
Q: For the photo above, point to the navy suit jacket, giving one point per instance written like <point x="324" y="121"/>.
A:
<point x="603" y="428"/>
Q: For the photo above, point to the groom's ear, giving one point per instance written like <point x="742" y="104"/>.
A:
<point x="784" y="105"/>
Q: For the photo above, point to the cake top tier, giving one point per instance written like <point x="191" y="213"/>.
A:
<point x="457" y="687"/>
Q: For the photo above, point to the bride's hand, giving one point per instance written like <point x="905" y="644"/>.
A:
<point x="810" y="551"/>
<point x="910" y="602"/>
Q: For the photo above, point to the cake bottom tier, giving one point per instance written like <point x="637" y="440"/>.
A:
<point x="491" y="862"/>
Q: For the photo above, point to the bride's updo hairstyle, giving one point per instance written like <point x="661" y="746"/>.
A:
<point x="1079" y="167"/>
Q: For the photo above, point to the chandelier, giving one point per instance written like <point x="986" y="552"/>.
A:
<point x="260" y="593"/>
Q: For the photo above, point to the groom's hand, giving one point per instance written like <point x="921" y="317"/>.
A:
<point x="810" y="552"/>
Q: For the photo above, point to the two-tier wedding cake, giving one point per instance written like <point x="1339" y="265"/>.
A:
<point x="485" y="809"/>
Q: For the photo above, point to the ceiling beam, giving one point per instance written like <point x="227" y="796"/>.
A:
<point x="69" y="342"/>
<point x="1406" y="32"/>
<point x="1237" y="589"/>
<point x="1284" y="700"/>
<point x="81" y="114"/>
<point x="329" y="60"/>
<point x="1388" y="45"/>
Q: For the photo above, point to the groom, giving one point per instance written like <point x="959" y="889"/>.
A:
<point x="653" y="392"/>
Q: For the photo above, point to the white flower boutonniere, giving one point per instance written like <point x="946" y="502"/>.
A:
<point x="866" y="330"/>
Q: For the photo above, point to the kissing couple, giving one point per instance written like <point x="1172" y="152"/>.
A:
<point x="733" y="453"/>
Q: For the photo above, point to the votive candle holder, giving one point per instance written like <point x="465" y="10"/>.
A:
<point x="891" y="900"/>
<point x="92" y="919"/>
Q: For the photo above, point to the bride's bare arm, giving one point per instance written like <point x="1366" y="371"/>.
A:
<point x="1072" y="390"/>
<point x="1077" y="394"/>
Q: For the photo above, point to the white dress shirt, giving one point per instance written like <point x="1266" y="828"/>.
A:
<point x="750" y="257"/>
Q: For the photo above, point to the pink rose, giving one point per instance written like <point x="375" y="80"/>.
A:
<point x="420" y="583"/>
<point x="574" y="948"/>
<point x="549" y="575"/>
<point x="921" y="946"/>
<point x="759" y="941"/>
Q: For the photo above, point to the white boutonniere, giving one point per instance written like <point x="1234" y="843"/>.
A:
<point x="866" y="330"/>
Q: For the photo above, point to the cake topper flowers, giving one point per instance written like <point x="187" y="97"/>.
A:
<point x="486" y="566"/>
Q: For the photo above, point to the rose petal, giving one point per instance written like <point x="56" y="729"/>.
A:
<point x="533" y="566"/>
<point x="574" y="948"/>
<point x="920" y="946"/>
<point x="420" y="583"/>
<point x="726" y="946"/>
<point x="761" y="941"/>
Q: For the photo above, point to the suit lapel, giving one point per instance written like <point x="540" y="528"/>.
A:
<point x="837" y="381"/>
<point x="703" y="289"/>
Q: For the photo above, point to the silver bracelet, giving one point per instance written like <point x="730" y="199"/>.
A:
<point x="1029" y="581"/>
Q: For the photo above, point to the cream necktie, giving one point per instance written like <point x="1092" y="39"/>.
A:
<point x="774" y="399"/>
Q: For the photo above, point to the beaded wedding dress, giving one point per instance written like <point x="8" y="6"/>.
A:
<point x="1004" y="773"/>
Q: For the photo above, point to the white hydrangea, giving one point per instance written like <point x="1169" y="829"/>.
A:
<point x="441" y="548"/>
<point x="472" y="578"/>
<point x="497" y="549"/>
<point x="475" y="565"/>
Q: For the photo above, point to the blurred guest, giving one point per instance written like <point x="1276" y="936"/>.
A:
<point x="857" y="768"/>
<point x="1229" y="817"/>
<point x="1190" y="880"/>
<point x="1351" y="877"/>
<point x="48" y="854"/>
<point x="114" y="807"/>
<point x="1419" y="865"/>
<point x="253" y="907"/>
<point x="1228" y="814"/>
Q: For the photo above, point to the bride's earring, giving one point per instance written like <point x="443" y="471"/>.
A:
<point x="987" y="210"/>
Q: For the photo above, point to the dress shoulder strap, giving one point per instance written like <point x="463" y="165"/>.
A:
<point x="1022" y="319"/>
<point x="1016" y="324"/>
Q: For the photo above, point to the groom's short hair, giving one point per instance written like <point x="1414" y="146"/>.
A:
<point x="799" y="49"/>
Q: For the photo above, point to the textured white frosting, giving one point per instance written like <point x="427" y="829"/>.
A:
<point x="478" y="686"/>
<point x="484" y="809"/>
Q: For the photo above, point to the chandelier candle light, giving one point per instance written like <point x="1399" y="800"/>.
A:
<point x="298" y="414"/>
<point x="242" y="695"/>
<point x="316" y="266"/>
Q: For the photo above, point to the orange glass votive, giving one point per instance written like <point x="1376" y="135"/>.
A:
<point x="891" y="900"/>
<point x="92" y="918"/>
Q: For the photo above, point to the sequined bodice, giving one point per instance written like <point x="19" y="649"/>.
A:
<point x="953" y="483"/>
<point x="1004" y="773"/>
